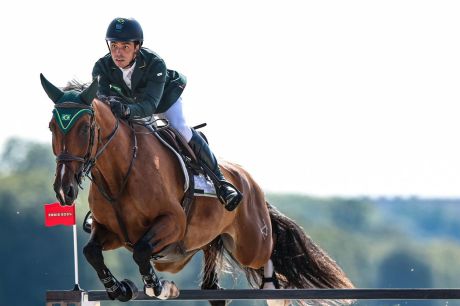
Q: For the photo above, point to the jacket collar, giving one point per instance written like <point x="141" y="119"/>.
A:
<point x="137" y="73"/>
<point x="117" y="75"/>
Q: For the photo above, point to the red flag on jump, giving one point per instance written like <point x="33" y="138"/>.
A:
<point x="55" y="214"/>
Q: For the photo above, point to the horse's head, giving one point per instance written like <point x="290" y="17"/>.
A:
<point x="73" y="129"/>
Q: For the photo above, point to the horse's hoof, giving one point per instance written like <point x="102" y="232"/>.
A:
<point x="169" y="290"/>
<point x="153" y="290"/>
<point x="129" y="291"/>
<point x="150" y="291"/>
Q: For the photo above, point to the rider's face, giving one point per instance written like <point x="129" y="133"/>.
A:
<point x="123" y="52"/>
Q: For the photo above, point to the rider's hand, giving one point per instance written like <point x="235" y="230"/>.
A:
<point x="119" y="109"/>
<point x="102" y="98"/>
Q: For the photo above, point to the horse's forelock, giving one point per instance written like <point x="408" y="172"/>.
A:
<point x="76" y="85"/>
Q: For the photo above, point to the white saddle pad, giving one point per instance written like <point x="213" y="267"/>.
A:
<point x="204" y="186"/>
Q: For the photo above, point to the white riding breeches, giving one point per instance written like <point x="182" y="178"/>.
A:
<point x="176" y="119"/>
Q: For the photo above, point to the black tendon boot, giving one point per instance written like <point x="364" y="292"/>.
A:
<point x="227" y="193"/>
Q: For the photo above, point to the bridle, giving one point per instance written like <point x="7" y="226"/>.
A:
<point x="88" y="160"/>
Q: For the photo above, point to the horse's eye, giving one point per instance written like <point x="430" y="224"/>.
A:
<point x="51" y="127"/>
<point x="84" y="130"/>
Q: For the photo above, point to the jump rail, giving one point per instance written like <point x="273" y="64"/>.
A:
<point x="63" y="297"/>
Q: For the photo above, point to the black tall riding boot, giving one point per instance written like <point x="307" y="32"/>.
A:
<point x="227" y="193"/>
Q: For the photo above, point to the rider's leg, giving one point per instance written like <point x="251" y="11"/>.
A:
<point x="176" y="119"/>
<point x="226" y="192"/>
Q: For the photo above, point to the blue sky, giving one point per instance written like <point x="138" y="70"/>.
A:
<point x="319" y="97"/>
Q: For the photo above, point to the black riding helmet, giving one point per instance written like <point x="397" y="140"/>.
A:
<point x="125" y="29"/>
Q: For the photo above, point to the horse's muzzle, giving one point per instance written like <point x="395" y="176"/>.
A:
<point x="66" y="195"/>
<point x="66" y="189"/>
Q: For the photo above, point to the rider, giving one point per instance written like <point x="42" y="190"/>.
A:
<point x="140" y="85"/>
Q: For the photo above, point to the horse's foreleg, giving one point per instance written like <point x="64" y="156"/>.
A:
<point x="154" y="240"/>
<point x="122" y="291"/>
<point x="142" y="253"/>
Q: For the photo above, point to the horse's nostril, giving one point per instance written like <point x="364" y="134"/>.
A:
<point x="71" y="192"/>
<point x="60" y="198"/>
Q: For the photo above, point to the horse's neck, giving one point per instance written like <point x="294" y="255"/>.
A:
<point x="114" y="163"/>
<point x="115" y="144"/>
<point x="104" y="117"/>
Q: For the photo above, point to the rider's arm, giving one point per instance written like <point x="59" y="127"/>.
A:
<point x="148" y="103"/>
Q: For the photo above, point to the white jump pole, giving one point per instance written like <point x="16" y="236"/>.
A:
<point x="84" y="295"/>
<point x="75" y="258"/>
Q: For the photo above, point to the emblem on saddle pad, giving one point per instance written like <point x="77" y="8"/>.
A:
<point x="203" y="186"/>
<point x="200" y="184"/>
<point x="66" y="117"/>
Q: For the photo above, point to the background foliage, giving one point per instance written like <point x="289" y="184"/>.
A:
<point x="379" y="242"/>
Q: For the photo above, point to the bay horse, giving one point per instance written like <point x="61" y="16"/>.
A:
<point x="135" y="197"/>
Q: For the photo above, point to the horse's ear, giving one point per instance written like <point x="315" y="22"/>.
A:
<point x="52" y="91"/>
<point x="88" y="95"/>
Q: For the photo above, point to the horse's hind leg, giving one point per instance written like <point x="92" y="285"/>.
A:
<point x="270" y="281"/>
<point x="122" y="291"/>
<point x="210" y="279"/>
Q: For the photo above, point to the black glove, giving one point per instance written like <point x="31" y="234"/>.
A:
<point x="103" y="98"/>
<point x="119" y="109"/>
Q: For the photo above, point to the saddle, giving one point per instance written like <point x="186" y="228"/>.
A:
<point x="197" y="181"/>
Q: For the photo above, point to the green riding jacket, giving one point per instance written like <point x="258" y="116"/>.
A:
<point x="154" y="88"/>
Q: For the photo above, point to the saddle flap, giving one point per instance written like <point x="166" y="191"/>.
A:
<point x="177" y="142"/>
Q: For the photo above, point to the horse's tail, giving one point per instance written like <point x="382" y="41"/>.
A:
<point x="218" y="260"/>
<point x="298" y="261"/>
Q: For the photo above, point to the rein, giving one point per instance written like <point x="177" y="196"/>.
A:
<point x="92" y="161"/>
<point x="89" y="162"/>
<point x="107" y="195"/>
<point x="86" y="160"/>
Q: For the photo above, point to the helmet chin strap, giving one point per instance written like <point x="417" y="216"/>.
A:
<point x="134" y="57"/>
<point x="130" y="63"/>
<point x="108" y="46"/>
